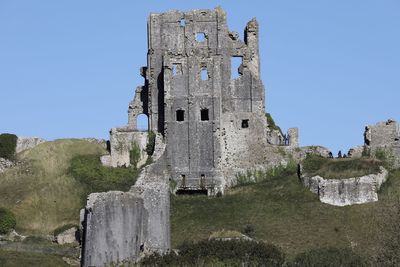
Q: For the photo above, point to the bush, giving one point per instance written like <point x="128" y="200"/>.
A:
<point x="87" y="169"/>
<point x="271" y="123"/>
<point x="7" y="221"/>
<point x="217" y="252"/>
<point x="134" y="155"/>
<point x="8" y="144"/>
<point x="151" y="143"/>
<point x="328" y="257"/>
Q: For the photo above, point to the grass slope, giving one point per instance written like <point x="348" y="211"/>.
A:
<point x="40" y="192"/>
<point x="341" y="168"/>
<point x="282" y="212"/>
<point x="18" y="259"/>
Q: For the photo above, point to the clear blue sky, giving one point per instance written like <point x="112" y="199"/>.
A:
<point x="69" y="68"/>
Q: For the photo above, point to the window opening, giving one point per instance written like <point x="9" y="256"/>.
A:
<point x="182" y="22"/>
<point x="173" y="69"/>
<point x="142" y="122"/>
<point x="204" y="74"/>
<point x="235" y="64"/>
<point x="204" y="114"/>
<point x="176" y="69"/>
<point x="245" y="123"/>
<point x="180" y="115"/>
<point x="200" y="37"/>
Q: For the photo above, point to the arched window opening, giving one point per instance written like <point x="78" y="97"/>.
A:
<point x="142" y="122"/>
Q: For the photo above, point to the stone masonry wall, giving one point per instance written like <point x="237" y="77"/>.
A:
<point x="121" y="142"/>
<point x="128" y="225"/>
<point x="343" y="192"/>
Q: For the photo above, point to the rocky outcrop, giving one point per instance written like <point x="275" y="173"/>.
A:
<point x="343" y="192"/>
<point x="5" y="164"/>
<point x="67" y="237"/>
<point x="24" y="143"/>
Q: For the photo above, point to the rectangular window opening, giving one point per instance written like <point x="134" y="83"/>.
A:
<point x="176" y="69"/>
<point x="204" y="114"/>
<point x="245" y="123"/>
<point x="200" y="37"/>
<point x="180" y="115"/>
<point x="235" y="65"/>
<point x="204" y="74"/>
<point x="182" y="22"/>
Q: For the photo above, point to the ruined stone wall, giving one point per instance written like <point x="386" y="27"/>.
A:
<point x="24" y="143"/>
<point x="122" y="141"/>
<point x="128" y="225"/>
<point x="384" y="137"/>
<point x="343" y="192"/>
<point x="113" y="228"/>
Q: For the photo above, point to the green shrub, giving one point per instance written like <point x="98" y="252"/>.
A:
<point x="328" y="257"/>
<point x="134" y="155"/>
<point x="7" y="221"/>
<point x="271" y="123"/>
<point x="151" y="143"/>
<point x="220" y="253"/>
<point x="87" y="169"/>
<point x="8" y="144"/>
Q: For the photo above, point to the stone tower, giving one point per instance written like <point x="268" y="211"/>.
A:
<point x="190" y="97"/>
<point x="209" y="126"/>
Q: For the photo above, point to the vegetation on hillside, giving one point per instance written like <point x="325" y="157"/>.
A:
<point x="8" y="144"/>
<point x="328" y="257"/>
<point x="18" y="259"/>
<point x="151" y="143"/>
<point x="340" y="168"/>
<point x="220" y="253"/>
<point x="88" y="171"/>
<point x="42" y="192"/>
<point x="281" y="211"/>
<point x="271" y="123"/>
<point x="7" y="221"/>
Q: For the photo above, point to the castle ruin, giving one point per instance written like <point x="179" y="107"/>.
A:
<point x="207" y="126"/>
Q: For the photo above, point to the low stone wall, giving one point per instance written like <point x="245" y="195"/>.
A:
<point x="343" y="192"/>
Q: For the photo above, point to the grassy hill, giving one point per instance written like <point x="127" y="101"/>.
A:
<point x="40" y="192"/>
<point x="281" y="211"/>
<point x="47" y="190"/>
